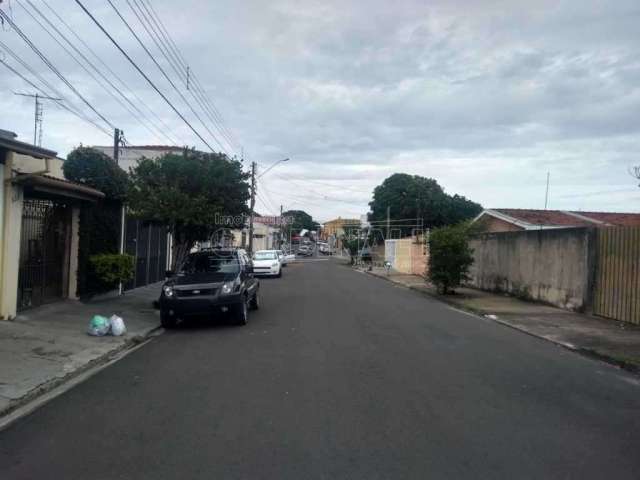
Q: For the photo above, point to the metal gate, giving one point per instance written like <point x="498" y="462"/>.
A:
<point x="43" y="251"/>
<point x="148" y="244"/>
<point x="617" y="286"/>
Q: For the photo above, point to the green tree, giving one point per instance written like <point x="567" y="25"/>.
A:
<point x="100" y="223"/>
<point x="189" y="193"/>
<point x="416" y="197"/>
<point x="97" y="170"/>
<point x="449" y="256"/>
<point x="300" y="220"/>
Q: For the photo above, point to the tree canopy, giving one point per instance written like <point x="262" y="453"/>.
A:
<point x="97" y="170"/>
<point x="416" y="197"/>
<point x="190" y="193"/>
<point x="301" y="220"/>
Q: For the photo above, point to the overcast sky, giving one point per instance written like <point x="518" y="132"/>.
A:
<point x="484" y="96"/>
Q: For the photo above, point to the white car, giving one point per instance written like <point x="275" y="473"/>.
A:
<point x="267" y="262"/>
<point x="285" y="258"/>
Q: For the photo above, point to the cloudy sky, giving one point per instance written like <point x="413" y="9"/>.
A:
<point x="484" y="96"/>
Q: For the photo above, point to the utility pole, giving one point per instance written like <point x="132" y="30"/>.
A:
<point x="253" y="204"/>
<point x="37" y="121"/>
<point x="388" y="221"/>
<point x="117" y="138"/>
<point x="281" y="228"/>
<point x="116" y="145"/>
<point x="546" y="195"/>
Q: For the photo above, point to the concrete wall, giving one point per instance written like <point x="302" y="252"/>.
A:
<point x="553" y="266"/>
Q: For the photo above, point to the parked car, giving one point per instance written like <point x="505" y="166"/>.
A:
<point x="267" y="262"/>
<point x="305" y="251"/>
<point x="210" y="282"/>
<point x="323" y="248"/>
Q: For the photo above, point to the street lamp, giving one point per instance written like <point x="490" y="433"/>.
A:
<point x="273" y="165"/>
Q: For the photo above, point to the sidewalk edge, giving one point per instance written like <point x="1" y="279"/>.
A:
<point x="587" y="352"/>
<point x="41" y="394"/>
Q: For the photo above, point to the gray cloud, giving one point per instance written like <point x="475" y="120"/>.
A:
<point x="485" y="96"/>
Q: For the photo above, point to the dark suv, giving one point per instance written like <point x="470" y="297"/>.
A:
<point x="210" y="282"/>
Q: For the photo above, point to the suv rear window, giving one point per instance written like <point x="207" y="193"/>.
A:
<point x="211" y="263"/>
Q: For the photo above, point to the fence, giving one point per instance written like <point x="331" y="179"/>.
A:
<point x="617" y="284"/>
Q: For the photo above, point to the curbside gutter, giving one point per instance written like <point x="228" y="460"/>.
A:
<point x="50" y="389"/>
<point x="484" y="314"/>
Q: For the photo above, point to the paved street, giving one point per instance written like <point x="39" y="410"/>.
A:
<point x="339" y="375"/>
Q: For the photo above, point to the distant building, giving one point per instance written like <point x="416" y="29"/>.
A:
<point x="336" y="227"/>
<point x="129" y="156"/>
<point x="514" y="219"/>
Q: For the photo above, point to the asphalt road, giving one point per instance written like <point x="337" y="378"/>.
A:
<point x="339" y="376"/>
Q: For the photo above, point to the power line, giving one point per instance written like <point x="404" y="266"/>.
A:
<point x="117" y="45"/>
<point x="166" y="53"/>
<point x="70" y="107"/>
<point x="216" y="113"/>
<point x="138" y="117"/>
<point x="52" y="67"/>
<point x="144" y="47"/>
<point x="109" y="69"/>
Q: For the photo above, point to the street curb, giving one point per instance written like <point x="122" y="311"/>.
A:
<point x="587" y="352"/>
<point x="33" y="399"/>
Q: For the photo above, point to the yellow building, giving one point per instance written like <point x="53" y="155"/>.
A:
<point x="39" y="223"/>
<point x="336" y="228"/>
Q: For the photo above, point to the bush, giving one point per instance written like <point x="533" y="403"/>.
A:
<point x="449" y="256"/>
<point x="113" y="268"/>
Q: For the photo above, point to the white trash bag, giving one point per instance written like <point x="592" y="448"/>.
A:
<point x="117" y="326"/>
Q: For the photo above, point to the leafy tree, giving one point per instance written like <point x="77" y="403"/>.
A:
<point x="188" y="192"/>
<point x="97" y="170"/>
<point x="449" y="256"/>
<point x="301" y="220"/>
<point x="416" y="197"/>
<point x="100" y="224"/>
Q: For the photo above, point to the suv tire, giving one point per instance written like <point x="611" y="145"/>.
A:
<point x="254" y="303"/>
<point x="241" y="313"/>
<point x="166" y="320"/>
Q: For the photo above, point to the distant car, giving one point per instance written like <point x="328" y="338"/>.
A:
<point x="267" y="262"/>
<point x="281" y="257"/>
<point x="305" y="251"/>
<point x="323" y="248"/>
<point x="209" y="282"/>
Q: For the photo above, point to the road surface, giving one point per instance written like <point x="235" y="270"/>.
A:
<point x="339" y="376"/>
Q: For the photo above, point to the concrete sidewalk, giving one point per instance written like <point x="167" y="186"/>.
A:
<point x="610" y="340"/>
<point x="45" y="346"/>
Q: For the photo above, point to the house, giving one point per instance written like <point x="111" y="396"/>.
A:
<point x="39" y="224"/>
<point x="514" y="219"/>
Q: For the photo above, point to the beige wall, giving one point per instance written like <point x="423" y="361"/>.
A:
<point x="12" y="225"/>
<point x="553" y="266"/>
<point x="407" y="256"/>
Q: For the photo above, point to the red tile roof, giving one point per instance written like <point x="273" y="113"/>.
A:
<point x="570" y="218"/>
